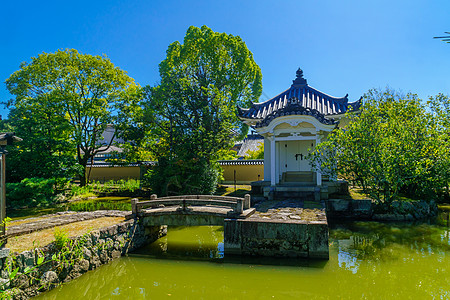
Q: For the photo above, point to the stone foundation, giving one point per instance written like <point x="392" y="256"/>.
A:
<point x="406" y="211"/>
<point x="345" y="208"/>
<point x="276" y="238"/>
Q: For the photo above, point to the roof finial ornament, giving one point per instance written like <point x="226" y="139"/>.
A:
<point x="299" y="80"/>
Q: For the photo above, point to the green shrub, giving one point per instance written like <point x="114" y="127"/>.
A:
<point x="33" y="192"/>
<point x="109" y="203"/>
<point x="76" y="190"/>
<point x="180" y="177"/>
<point x="129" y="185"/>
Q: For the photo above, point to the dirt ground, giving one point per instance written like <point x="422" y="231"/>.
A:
<point x="44" y="237"/>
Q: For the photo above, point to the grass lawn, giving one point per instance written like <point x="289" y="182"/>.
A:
<point x="228" y="190"/>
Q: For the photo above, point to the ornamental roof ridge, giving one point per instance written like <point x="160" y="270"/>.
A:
<point x="286" y="111"/>
<point x="299" y="94"/>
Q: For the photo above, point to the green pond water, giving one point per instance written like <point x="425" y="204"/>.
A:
<point x="368" y="260"/>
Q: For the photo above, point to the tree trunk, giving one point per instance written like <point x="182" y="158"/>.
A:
<point x="83" y="179"/>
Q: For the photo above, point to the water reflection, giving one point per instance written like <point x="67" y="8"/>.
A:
<point x="367" y="240"/>
<point x="375" y="243"/>
<point x="187" y="243"/>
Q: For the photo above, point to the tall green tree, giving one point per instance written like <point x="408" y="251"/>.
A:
<point x="193" y="110"/>
<point x="81" y="93"/>
<point x="387" y="149"/>
<point x="45" y="151"/>
<point x="440" y="109"/>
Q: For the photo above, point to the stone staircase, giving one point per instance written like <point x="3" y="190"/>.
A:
<point x="298" y="178"/>
<point x="296" y="186"/>
<point x="295" y="192"/>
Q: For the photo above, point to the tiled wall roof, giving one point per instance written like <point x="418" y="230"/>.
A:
<point x="241" y="162"/>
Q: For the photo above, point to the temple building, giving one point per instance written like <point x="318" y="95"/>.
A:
<point x="292" y="124"/>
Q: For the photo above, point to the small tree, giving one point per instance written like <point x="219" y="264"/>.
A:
<point x="193" y="109"/>
<point x="80" y="93"/>
<point x="387" y="149"/>
<point x="256" y="154"/>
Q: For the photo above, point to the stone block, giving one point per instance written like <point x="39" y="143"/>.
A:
<point x="269" y="238"/>
<point x="95" y="236"/>
<point x="28" y="259"/>
<point x="87" y="254"/>
<point x="49" y="278"/>
<point x="4" y="252"/>
<point x="84" y="265"/>
<point x="362" y="206"/>
<point x="115" y="254"/>
<point x="318" y="240"/>
<point x="104" y="233"/>
<point x="94" y="262"/>
<point x="112" y="231"/>
<point x="232" y="236"/>
<point x="338" y="205"/>
<point x="21" y="281"/>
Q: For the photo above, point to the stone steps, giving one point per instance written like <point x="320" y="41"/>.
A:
<point x="298" y="177"/>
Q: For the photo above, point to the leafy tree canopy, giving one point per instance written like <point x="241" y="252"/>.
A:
<point x="75" y="96"/>
<point x="193" y="109"/>
<point x="394" y="146"/>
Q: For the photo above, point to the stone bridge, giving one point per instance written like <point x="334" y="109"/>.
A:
<point x="245" y="233"/>
<point x="191" y="210"/>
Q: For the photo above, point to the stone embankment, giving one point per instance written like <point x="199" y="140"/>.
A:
<point x="26" y="274"/>
<point x="366" y="209"/>
<point x="406" y="211"/>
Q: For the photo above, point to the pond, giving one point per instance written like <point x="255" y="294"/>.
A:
<point x="368" y="260"/>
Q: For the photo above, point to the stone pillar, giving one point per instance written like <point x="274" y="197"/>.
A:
<point x="272" y="162"/>
<point x="134" y="209"/>
<point x="266" y="159"/>
<point x="277" y="163"/>
<point x="247" y="202"/>
<point x="239" y="206"/>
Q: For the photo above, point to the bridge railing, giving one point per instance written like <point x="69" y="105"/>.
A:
<point x="237" y="204"/>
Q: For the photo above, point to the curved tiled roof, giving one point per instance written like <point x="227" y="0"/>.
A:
<point x="299" y="99"/>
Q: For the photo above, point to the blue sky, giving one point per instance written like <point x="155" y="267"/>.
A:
<point x="342" y="46"/>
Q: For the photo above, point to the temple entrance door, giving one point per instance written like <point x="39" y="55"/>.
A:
<point x="303" y="147"/>
<point x="288" y="161"/>
<point x="293" y="156"/>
